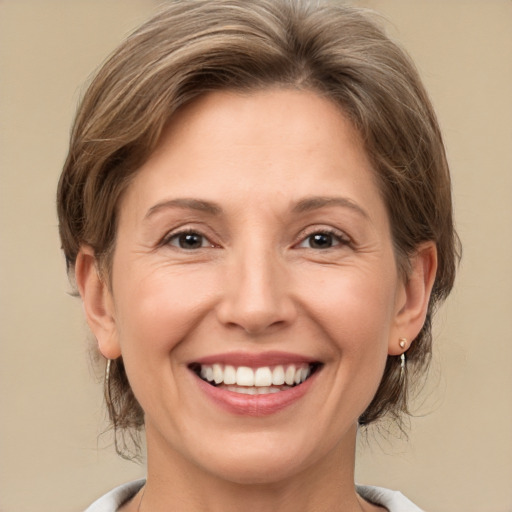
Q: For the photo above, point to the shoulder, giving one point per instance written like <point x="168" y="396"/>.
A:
<point x="111" y="501"/>
<point x="394" y="501"/>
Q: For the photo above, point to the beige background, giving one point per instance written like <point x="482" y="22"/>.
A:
<point x="52" y="458"/>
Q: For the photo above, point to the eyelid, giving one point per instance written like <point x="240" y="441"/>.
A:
<point x="182" y="230"/>
<point x="341" y="236"/>
<point x="175" y="239"/>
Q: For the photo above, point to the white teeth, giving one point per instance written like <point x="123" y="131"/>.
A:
<point x="261" y="380"/>
<point x="218" y="374"/>
<point x="244" y="390"/>
<point x="244" y="376"/>
<point x="289" y="376"/>
<point x="263" y="377"/>
<point x="229" y="374"/>
<point x="278" y="376"/>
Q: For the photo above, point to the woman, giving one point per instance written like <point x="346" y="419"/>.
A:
<point x="256" y="211"/>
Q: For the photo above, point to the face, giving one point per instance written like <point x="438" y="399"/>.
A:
<point x="254" y="290"/>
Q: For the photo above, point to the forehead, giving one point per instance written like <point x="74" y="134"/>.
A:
<point x="274" y="142"/>
<point x="272" y="117"/>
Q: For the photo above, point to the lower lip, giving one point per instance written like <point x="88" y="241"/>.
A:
<point x="255" y="405"/>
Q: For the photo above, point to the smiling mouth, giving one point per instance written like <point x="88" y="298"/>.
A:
<point x="255" y="381"/>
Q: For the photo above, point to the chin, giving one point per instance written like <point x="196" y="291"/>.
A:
<point x="257" y="470"/>
<point x="260" y="462"/>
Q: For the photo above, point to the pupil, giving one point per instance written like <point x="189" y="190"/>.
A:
<point x="190" y="241"/>
<point x="321" y="241"/>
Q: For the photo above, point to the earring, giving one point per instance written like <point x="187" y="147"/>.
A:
<point x="403" y="343"/>
<point x="108" y="396"/>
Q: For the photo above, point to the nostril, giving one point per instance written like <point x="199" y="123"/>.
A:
<point x="256" y="328"/>
<point x="255" y="296"/>
<point x="256" y="320"/>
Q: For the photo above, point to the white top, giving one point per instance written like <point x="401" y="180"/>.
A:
<point x="394" y="501"/>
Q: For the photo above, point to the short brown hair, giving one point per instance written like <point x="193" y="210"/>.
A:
<point x="196" y="46"/>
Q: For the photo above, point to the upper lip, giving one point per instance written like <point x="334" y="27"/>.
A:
<point x="255" y="360"/>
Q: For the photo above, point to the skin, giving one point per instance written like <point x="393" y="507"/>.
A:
<point x="257" y="282"/>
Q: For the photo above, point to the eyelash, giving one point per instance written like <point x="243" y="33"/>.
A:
<point x="176" y="236"/>
<point x="339" y="237"/>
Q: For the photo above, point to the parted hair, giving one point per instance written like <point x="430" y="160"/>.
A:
<point x="192" y="47"/>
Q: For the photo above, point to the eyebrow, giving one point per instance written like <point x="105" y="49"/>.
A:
<point x="304" y="205"/>
<point x="185" y="203"/>
<point x="317" y="202"/>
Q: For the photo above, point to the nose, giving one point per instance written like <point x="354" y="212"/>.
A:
<point x="257" y="293"/>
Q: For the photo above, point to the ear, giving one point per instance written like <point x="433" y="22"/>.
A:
<point x="97" y="302"/>
<point x="413" y="297"/>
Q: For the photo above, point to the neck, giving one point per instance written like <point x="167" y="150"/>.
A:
<point x="175" y="483"/>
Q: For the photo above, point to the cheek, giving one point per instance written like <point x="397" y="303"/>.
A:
<point x="155" y="312"/>
<point x="358" y="320"/>
<point x="355" y="307"/>
<point x="158" y="307"/>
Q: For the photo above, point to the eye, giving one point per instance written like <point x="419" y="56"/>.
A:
<point x="323" y="240"/>
<point x="188" y="240"/>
